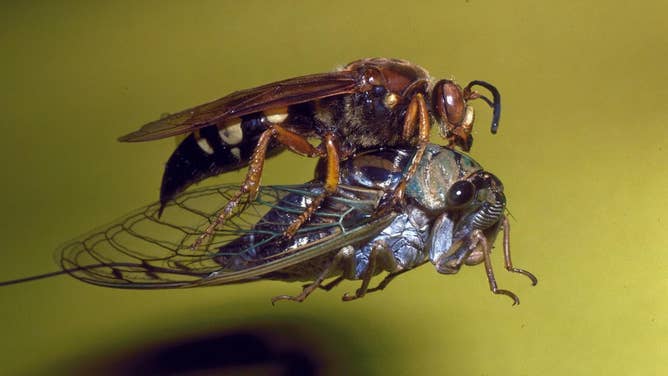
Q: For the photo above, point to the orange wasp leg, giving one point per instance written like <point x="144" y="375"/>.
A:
<point x="331" y="183"/>
<point x="417" y="114"/>
<point x="410" y="121"/>
<point x="251" y="183"/>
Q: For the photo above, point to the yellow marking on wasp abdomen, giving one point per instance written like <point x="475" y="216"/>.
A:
<point x="276" y="115"/>
<point x="231" y="132"/>
<point x="236" y="152"/>
<point x="203" y="143"/>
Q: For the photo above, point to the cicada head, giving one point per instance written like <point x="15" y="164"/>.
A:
<point x="475" y="208"/>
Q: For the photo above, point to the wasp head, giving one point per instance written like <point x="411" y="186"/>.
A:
<point x="455" y="116"/>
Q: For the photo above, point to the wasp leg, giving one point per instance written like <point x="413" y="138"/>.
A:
<point x="479" y="239"/>
<point x="343" y="257"/>
<point x="417" y="113"/>
<point x="330" y="184"/>
<point x="411" y="119"/>
<point x="506" y="254"/>
<point x="251" y="183"/>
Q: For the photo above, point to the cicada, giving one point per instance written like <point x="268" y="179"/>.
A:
<point x="453" y="211"/>
<point x="369" y="103"/>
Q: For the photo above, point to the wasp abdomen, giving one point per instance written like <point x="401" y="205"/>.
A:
<point x="213" y="150"/>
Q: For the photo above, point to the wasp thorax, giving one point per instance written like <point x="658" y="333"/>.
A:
<point x="391" y="100"/>
<point x="372" y="77"/>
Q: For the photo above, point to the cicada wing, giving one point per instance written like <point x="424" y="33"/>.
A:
<point x="278" y="94"/>
<point x="145" y="250"/>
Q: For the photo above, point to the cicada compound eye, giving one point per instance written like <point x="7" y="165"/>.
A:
<point x="461" y="193"/>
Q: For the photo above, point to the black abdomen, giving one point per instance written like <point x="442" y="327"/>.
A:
<point x="211" y="151"/>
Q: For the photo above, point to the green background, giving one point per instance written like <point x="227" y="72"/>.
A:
<point x="581" y="150"/>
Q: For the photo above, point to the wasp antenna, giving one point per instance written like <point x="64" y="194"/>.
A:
<point x="489" y="101"/>
<point x="495" y="103"/>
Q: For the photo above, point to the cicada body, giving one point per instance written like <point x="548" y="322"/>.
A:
<point x="454" y="211"/>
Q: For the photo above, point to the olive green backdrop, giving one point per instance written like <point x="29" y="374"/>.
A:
<point x="581" y="150"/>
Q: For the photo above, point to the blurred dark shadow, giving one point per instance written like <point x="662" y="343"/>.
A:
<point x="279" y="346"/>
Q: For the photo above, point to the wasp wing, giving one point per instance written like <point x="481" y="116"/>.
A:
<point x="143" y="250"/>
<point x="244" y="102"/>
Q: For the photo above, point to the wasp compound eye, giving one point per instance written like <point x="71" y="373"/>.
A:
<point x="449" y="102"/>
<point x="461" y="193"/>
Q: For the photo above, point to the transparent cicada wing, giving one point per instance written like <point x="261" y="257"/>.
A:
<point x="146" y="250"/>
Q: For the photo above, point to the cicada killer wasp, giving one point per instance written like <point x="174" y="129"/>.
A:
<point x="369" y="103"/>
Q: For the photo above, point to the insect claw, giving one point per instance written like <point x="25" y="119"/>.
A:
<point x="281" y="297"/>
<point x="358" y="294"/>
<point x="534" y="280"/>
<point x="516" y="300"/>
<point x="299" y="298"/>
<point x="506" y="254"/>
<point x="347" y="297"/>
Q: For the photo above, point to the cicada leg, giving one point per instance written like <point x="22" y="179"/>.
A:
<point x="341" y="258"/>
<point x="479" y="239"/>
<point x="253" y="178"/>
<point x="366" y="277"/>
<point x="506" y="254"/>
<point x="389" y="278"/>
<point x="329" y="285"/>
<point x="379" y="257"/>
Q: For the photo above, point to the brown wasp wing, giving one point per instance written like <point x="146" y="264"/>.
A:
<point x="144" y="251"/>
<point x="278" y="94"/>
